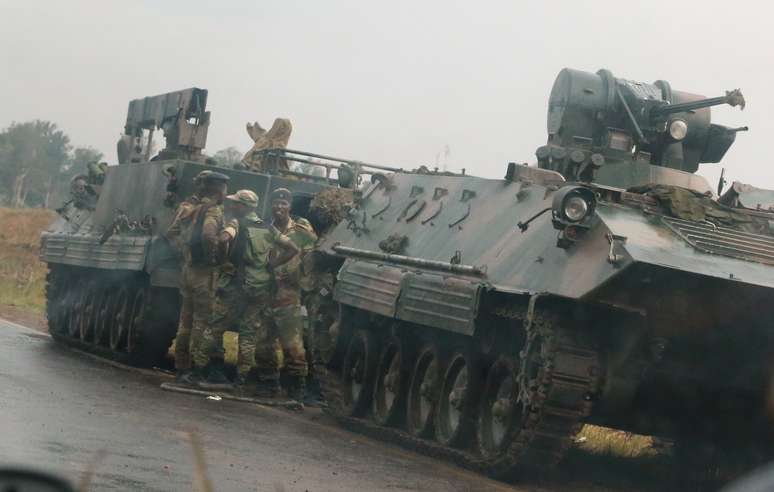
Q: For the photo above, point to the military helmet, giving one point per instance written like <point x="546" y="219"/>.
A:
<point x="245" y="197"/>
<point x="282" y="194"/>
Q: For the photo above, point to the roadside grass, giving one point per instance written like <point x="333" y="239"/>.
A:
<point x="22" y="274"/>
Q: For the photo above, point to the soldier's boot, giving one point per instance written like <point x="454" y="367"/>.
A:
<point x="244" y="385"/>
<point x="267" y="387"/>
<point x="313" y="396"/>
<point x="216" y="376"/>
<point x="297" y="388"/>
<point x="189" y="377"/>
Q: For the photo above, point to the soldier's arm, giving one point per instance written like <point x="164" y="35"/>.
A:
<point x="211" y="229"/>
<point x="175" y="229"/>
<point x="286" y="248"/>
<point x="306" y="236"/>
<point x="230" y="231"/>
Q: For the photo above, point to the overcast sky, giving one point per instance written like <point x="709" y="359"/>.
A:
<point x="385" y="82"/>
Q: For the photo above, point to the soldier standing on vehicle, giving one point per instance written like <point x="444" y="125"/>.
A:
<point x="197" y="230"/>
<point x="244" y="290"/>
<point x="286" y="310"/>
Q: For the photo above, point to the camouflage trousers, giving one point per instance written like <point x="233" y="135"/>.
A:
<point x="235" y="309"/>
<point x="197" y="289"/>
<point x="285" y="324"/>
<point x="320" y="314"/>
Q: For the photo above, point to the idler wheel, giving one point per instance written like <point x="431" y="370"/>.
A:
<point x="389" y="386"/>
<point x="61" y="317"/>
<point x="423" y="392"/>
<point x="500" y="413"/>
<point x="119" y="319"/>
<point x="452" y="419"/>
<point x="358" y="374"/>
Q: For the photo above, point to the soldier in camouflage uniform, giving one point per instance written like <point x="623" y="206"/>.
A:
<point x="317" y="298"/>
<point x="196" y="232"/>
<point x="244" y="288"/>
<point x="286" y="312"/>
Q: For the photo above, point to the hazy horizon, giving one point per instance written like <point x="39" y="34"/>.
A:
<point x="385" y="83"/>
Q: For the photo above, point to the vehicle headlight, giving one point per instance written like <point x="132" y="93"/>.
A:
<point x="678" y="129"/>
<point x="573" y="204"/>
<point x="575" y="208"/>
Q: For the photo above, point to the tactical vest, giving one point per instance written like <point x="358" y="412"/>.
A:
<point x="251" y="254"/>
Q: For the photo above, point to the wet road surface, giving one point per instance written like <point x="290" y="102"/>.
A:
<point x="59" y="409"/>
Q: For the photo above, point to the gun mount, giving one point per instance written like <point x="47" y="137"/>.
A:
<point x="595" y="120"/>
<point x="181" y="115"/>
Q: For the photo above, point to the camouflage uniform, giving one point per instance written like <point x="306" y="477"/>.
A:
<point x="199" y="275"/>
<point x="318" y="300"/>
<point x="286" y="312"/>
<point x="243" y="292"/>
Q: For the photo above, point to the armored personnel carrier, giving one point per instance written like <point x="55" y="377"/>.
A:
<point x="486" y="320"/>
<point x="113" y="277"/>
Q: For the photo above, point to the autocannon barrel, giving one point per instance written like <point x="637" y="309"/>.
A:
<point x="732" y="98"/>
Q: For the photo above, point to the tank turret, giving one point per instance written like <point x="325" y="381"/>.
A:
<point x="597" y="121"/>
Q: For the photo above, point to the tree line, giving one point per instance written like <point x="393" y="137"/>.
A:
<point x="37" y="163"/>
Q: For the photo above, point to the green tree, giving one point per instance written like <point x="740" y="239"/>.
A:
<point x="33" y="155"/>
<point x="228" y="157"/>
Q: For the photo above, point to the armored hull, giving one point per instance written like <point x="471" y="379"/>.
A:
<point x="494" y="344"/>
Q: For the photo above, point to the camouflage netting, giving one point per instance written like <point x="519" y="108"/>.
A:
<point x="329" y="207"/>
<point x="691" y="205"/>
<point x="394" y="244"/>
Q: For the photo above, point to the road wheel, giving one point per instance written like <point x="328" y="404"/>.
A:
<point x="453" y="412"/>
<point x="390" y="383"/>
<point x="88" y="312"/>
<point x="136" y="321"/>
<point x="423" y="392"/>
<point x="358" y="374"/>
<point x="119" y="319"/>
<point x="76" y="311"/>
<point x="102" y="318"/>
<point x="499" y="414"/>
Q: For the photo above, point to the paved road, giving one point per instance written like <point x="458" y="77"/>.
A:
<point x="59" y="408"/>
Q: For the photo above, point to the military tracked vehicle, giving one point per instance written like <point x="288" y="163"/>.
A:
<point x="488" y="319"/>
<point x="113" y="277"/>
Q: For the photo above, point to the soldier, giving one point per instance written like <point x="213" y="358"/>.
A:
<point x="244" y="289"/>
<point x="317" y="292"/>
<point x="286" y="309"/>
<point x="197" y="230"/>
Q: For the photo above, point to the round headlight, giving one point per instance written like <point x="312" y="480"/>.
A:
<point x="678" y="129"/>
<point x="575" y="208"/>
